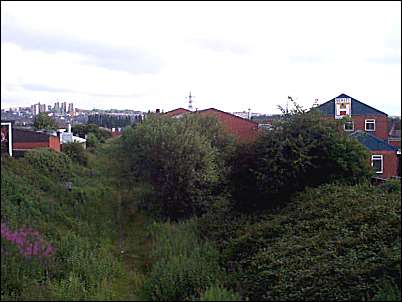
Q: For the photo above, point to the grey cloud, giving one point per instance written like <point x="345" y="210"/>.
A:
<point x="40" y="87"/>
<point x="46" y="88"/>
<point x="116" y="58"/>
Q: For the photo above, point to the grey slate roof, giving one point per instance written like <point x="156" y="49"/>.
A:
<point x="372" y="142"/>
<point x="358" y="108"/>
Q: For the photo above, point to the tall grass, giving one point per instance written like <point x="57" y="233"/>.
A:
<point x="80" y="226"/>
<point x="184" y="267"/>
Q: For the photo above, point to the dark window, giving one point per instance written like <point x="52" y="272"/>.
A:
<point x="349" y="126"/>
<point x="370" y="125"/>
<point x="377" y="163"/>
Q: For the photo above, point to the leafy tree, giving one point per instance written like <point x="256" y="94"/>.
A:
<point x="76" y="152"/>
<point x="177" y="159"/>
<point x="92" y="140"/>
<point x="43" y="121"/>
<point x="302" y="149"/>
<point x="85" y="129"/>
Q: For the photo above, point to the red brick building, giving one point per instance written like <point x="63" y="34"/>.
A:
<point x="243" y="129"/>
<point x="24" y="140"/>
<point x="370" y="127"/>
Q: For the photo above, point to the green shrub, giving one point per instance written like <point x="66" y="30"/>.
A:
<point x="334" y="242"/>
<point x="81" y="225"/>
<point x="219" y="293"/>
<point x="301" y="150"/>
<point x="76" y="152"/>
<point x="177" y="160"/>
<point x="50" y="162"/>
<point x="391" y="185"/>
<point x="184" y="265"/>
<point x="43" y="121"/>
<point x="388" y="291"/>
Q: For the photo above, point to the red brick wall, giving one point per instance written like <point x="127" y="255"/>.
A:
<point x="390" y="163"/>
<point x="244" y="130"/>
<point x="54" y="143"/>
<point x="381" y="124"/>
<point x="30" y="145"/>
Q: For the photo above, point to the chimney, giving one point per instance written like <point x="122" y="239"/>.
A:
<point x="69" y="128"/>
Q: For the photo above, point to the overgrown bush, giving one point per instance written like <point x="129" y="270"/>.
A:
<point x="50" y="162"/>
<point x="301" y="150"/>
<point x="334" y="242"/>
<point x="184" y="267"/>
<point x="177" y="159"/>
<point x="100" y="133"/>
<point x="43" y="121"/>
<point x="219" y="293"/>
<point x="76" y="152"/>
<point x="391" y="185"/>
<point x="80" y="225"/>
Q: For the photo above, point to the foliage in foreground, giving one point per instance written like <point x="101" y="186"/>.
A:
<point x="300" y="150"/>
<point x="76" y="152"/>
<point x="69" y="235"/>
<point x="181" y="158"/>
<point x="185" y="266"/>
<point x="334" y="242"/>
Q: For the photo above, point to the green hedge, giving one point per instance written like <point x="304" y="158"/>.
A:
<point x="331" y="243"/>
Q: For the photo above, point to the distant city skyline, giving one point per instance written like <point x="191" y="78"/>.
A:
<point x="232" y="56"/>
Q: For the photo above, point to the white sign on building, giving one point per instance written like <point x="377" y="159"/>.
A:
<point x="343" y="107"/>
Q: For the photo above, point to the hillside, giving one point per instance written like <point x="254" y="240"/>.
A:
<point x="335" y="242"/>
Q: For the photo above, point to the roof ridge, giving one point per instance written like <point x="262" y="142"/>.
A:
<point x="211" y="108"/>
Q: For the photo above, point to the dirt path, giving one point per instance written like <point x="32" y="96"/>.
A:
<point x="133" y="246"/>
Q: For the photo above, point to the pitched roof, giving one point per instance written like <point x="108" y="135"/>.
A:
<point x="177" y="111"/>
<point x="226" y="113"/>
<point x="358" y="108"/>
<point x="372" y="142"/>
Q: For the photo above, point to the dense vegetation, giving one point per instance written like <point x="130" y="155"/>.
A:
<point x="300" y="150"/>
<point x="182" y="163"/>
<point x="175" y="210"/>
<point x="43" y="121"/>
<point x="335" y="242"/>
<point x="94" y="134"/>
<point x="78" y="227"/>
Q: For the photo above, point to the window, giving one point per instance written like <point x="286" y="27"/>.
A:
<point x="349" y="126"/>
<point x="370" y="125"/>
<point x="377" y="163"/>
<point x="265" y="126"/>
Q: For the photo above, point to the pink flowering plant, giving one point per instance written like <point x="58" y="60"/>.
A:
<point x="28" y="241"/>
<point x="25" y="258"/>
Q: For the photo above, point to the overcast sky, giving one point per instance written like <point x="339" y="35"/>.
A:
<point x="232" y="56"/>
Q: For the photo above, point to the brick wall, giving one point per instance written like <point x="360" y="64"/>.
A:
<point x="381" y="125"/>
<point x="244" y="130"/>
<point x="29" y="145"/>
<point x="54" y="143"/>
<point x="390" y="163"/>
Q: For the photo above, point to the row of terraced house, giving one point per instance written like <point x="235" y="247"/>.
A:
<point x="366" y="124"/>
